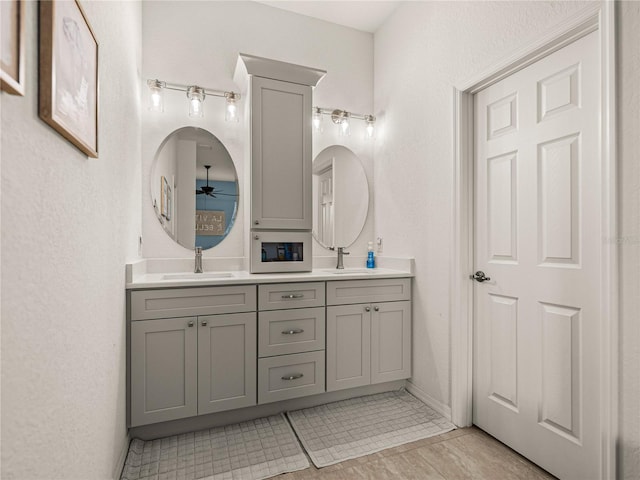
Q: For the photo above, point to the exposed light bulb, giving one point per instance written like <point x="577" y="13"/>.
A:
<point x="317" y="120"/>
<point x="196" y="98"/>
<point x="156" y="99"/>
<point x="370" y="128"/>
<point x="195" y="110"/>
<point x="344" y="127"/>
<point x="231" y="112"/>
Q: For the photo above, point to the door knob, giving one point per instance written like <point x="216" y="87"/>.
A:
<point x="479" y="276"/>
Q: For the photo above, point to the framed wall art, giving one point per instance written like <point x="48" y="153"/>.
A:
<point x="165" y="198"/>
<point x="68" y="89"/>
<point x="12" y="46"/>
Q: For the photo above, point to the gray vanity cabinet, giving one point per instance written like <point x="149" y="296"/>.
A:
<point x="348" y="346"/>
<point x="193" y="364"/>
<point x="368" y="343"/>
<point x="280" y="155"/>
<point x="291" y="341"/>
<point x="163" y="370"/>
<point x="390" y="341"/>
<point x="226" y="362"/>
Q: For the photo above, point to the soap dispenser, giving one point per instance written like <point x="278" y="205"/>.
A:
<point x="371" y="261"/>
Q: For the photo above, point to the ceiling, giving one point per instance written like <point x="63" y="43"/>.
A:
<point x="361" y="15"/>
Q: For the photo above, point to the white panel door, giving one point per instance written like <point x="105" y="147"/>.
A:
<point x="537" y="218"/>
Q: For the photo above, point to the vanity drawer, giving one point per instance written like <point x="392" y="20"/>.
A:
<point x="183" y="302"/>
<point x="281" y="332"/>
<point x="278" y="296"/>
<point x="290" y="376"/>
<point x="367" y="291"/>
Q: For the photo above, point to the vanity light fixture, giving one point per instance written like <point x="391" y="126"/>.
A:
<point x="231" y="113"/>
<point x="196" y="96"/>
<point x="370" y="128"/>
<point x="196" y="99"/>
<point x="156" y="98"/>
<point x="342" y="119"/>
<point x="317" y="119"/>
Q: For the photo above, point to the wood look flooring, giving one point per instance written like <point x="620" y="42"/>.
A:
<point x="466" y="453"/>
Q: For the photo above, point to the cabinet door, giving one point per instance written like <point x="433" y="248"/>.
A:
<point x="163" y="370"/>
<point x="390" y="341"/>
<point x="280" y="155"/>
<point x="348" y="346"/>
<point x="226" y="362"/>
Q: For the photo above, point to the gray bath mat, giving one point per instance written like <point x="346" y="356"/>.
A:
<point x="250" y="450"/>
<point x="352" y="428"/>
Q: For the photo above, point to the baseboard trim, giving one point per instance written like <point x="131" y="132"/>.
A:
<point x="441" y="408"/>
<point x="117" y="471"/>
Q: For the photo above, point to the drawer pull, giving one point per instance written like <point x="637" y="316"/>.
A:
<point x="293" y="295"/>
<point x="293" y="331"/>
<point x="295" y="376"/>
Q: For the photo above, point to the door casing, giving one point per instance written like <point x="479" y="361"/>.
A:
<point x="598" y="17"/>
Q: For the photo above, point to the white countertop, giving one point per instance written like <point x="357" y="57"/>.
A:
<point x="165" y="273"/>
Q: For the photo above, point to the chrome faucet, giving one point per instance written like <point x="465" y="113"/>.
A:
<point x="341" y="254"/>
<point x="198" y="266"/>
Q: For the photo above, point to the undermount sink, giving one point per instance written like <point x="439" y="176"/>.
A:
<point x="196" y="276"/>
<point x="347" y="271"/>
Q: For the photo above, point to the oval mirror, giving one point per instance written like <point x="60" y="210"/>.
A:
<point x="194" y="188"/>
<point x="340" y="197"/>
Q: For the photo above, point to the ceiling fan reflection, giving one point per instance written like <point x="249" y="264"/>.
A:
<point x="211" y="191"/>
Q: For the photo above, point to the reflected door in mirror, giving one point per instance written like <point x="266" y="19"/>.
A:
<point x="340" y="197"/>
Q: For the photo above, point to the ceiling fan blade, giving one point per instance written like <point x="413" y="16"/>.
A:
<point x="199" y="192"/>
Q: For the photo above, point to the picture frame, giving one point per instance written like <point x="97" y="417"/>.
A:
<point x="12" y="55"/>
<point x="165" y="198"/>
<point x="68" y="85"/>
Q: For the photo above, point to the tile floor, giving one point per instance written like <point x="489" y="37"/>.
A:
<point x="467" y="453"/>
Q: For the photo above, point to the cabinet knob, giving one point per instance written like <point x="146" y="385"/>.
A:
<point x="376" y="308"/>
<point x="190" y="323"/>
<point x="204" y="323"/>
<point x="256" y="237"/>
<point x="257" y="222"/>
<point x="367" y="309"/>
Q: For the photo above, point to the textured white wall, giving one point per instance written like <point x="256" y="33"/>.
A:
<point x="628" y="16"/>
<point x="420" y="53"/>
<point x="69" y="224"/>
<point x="199" y="42"/>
